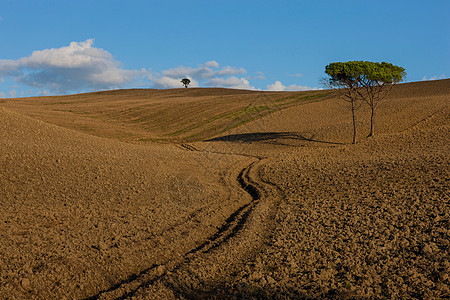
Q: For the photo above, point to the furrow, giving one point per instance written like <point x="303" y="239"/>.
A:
<point x="233" y="224"/>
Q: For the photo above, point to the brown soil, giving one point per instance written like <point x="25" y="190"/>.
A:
<point x="215" y="193"/>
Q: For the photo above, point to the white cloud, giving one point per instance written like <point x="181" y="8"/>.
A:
<point x="43" y="92"/>
<point x="278" y="86"/>
<point x="296" y="75"/>
<point x="207" y="74"/>
<point x="211" y="64"/>
<point x="230" y="71"/>
<point x="204" y="71"/>
<point x="199" y="73"/>
<point x="437" y="77"/>
<point x="78" y="66"/>
<point x="259" y="75"/>
<point x="12" y="93"/>
<point x="169" y="82"/>
<point x="2" y="95"/>
<point x="231" y="82"/>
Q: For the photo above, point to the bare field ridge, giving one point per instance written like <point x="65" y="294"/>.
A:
<point x="217" y="193"/>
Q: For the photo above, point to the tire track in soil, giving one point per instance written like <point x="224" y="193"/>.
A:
<point x="426" y="119"/>
<point x="128" y="287"/>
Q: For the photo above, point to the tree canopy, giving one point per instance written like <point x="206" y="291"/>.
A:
<point x="359" y="73"/>
<point x="185" y="82"/>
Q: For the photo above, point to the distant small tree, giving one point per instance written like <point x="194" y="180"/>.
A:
<point x="185" y="82"/>
<point x="363" y="81"/>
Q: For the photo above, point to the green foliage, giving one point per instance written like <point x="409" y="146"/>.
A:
<point x="185" y="82"/>
<point x="359" y="73"/>
<point x="364" y="80"/>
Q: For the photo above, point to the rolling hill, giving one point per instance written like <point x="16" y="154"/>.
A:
<point x="203" y="193"/>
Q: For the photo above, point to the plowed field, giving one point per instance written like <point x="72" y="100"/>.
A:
<point x="216" y="193"/>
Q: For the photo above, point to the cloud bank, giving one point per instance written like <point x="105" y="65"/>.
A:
<point x="79" y="66"/>
<point x="437" y="77"/>
<point x="207" y="74"/>
<point x="278" y="86"/>
<point x="82" y="67"/>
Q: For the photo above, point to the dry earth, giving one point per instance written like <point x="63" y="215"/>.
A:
<point x="215" y="193"/>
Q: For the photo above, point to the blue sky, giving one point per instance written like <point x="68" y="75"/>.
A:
<point x="53" y="47"/>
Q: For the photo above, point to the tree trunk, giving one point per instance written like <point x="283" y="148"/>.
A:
<point x="354" y="121"/>
<point x="372" y="123"/>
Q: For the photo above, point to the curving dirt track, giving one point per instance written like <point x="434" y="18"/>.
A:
<point x="272" y="202"/>
<point x="78" y="211"/>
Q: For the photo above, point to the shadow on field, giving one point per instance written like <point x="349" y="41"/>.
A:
<point x="276" y="138"/>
